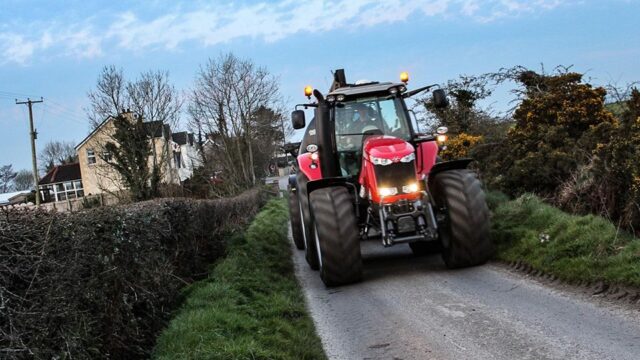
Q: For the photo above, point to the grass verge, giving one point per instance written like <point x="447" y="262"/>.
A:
<point x="573" y="248"/>
<point x="250" y="306"/>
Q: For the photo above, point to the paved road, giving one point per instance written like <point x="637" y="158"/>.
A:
<point x="414" y="308"/>
<point x="283" y="181"/>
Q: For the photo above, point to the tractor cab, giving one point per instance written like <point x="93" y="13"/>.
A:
<point x="365" y="111"/>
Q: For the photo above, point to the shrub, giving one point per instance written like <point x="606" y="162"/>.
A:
<point x="460" y="146"/>
<point x="558" y="124"/>
<point x="101" y="283"/>
<point x="610" y="183"/>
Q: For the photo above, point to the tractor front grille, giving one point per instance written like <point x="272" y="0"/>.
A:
<point x="395" y="175"/>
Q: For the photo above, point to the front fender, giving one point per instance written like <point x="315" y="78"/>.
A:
<point x="449" y="165"/>
<point x="330" y="182"/>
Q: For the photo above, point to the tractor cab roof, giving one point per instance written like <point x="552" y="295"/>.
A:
<point x="371" y="88"/>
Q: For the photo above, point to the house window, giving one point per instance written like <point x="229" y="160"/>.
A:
<point x="64" y="191"/>
<point x="106" y="156"/>
<point x="91" y="156"/>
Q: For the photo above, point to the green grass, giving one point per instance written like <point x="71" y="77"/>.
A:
<point x="584" y="248"/>
<point x="250" y="307"/>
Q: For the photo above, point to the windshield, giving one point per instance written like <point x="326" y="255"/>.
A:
<point x="380" y="116"/>
<point x="370" y="116"/>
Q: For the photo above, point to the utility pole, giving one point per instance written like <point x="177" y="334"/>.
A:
<point x="34" y="136"/>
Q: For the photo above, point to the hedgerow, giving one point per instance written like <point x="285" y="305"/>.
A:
<point x="101" y="283"/>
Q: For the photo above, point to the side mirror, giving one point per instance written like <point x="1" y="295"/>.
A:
<point x="440" y="100"/>
<point x="297" y="119"/>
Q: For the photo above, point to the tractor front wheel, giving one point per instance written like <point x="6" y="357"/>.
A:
<point x="464" y="226"/>
<point x="337" y="236"/>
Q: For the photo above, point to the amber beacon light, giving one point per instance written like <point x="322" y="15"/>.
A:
<point x="404" y="77"/>
<point x="308" y="90"/>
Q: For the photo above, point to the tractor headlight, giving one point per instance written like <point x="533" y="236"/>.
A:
<point x="408" y="158"/>
<point x="441" y="138"/>
<point x="380" y="161"/>
<point x="387" y="191"/>
<point x="411" y="188"/>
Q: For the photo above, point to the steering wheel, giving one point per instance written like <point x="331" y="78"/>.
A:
<point x="370" y="128"/>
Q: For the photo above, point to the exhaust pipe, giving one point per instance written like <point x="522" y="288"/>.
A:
<point x="325" y="138"/>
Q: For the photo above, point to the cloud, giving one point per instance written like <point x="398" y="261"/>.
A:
<point x="208" y="25"/>
<point x="75" y="41"/>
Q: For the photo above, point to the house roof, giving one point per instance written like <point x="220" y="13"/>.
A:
<point x="62" y="173"/>
<point x="157" y="129"/>
<point x="102" y="124"/>
<point x="151" y="128"/>
<point x="182" y="138"/>
<point x="8" y="198"/>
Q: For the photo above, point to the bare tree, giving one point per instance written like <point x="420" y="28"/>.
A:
<point x="56" y="153"/>
<point x="158" y="102"/>
<point x="6" y="178"/>
<point x="109" y="97"/>
<point x="23" y="180"/>
<point x="152" y="100"/>
<point x="227" y="94"/>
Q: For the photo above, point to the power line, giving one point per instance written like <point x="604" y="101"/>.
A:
<point x="66" y="113"/>
<point x="34" y="136"/>
<point x="14" y="94"/>
<point x="58" y="107"/>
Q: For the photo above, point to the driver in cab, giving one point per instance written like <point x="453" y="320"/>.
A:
<point x="363" y="119"/>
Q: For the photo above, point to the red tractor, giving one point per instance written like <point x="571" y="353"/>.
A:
<point x="364" y="172"/>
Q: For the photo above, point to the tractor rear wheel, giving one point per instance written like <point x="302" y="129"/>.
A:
<point x="311" y="255"/>
<point x="337" y="236"/>
<point x="296" y="219"/>
<point x="464" y="231"/>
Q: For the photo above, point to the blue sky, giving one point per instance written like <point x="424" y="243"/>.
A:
<point x="56" y="51"/>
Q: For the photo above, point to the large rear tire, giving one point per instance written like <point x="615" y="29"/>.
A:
<point x="464" y="233"/>
<point x="311" y="255"/>
<point x="337" y="236"/>
<point x="295" y="219"/>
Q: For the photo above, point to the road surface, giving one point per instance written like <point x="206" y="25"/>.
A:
<point x="414" y="308"/>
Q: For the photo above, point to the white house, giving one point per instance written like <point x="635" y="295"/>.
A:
<point x="186" y="156"/>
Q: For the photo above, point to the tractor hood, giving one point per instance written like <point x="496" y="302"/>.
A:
<point x="387" y="147"/>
